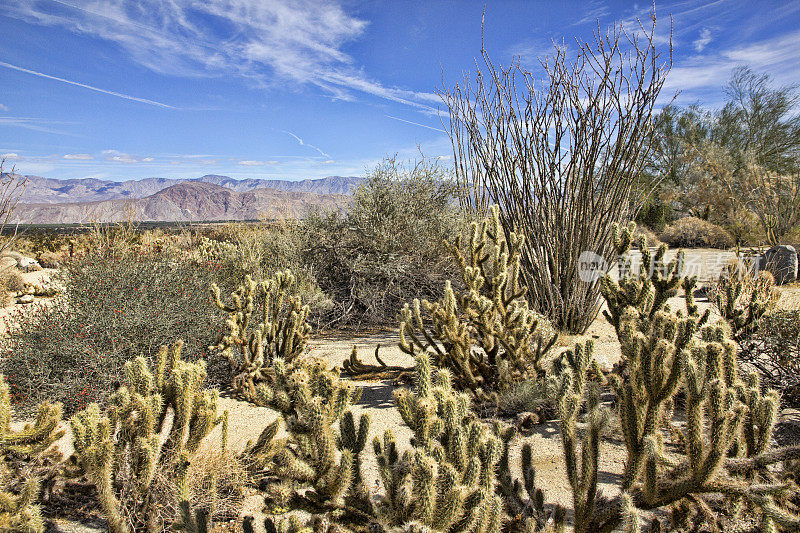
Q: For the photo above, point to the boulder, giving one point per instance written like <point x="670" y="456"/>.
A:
<point x="781" y="262"/>
<point x="25" y="299"/>
<point x="26" y="264"/>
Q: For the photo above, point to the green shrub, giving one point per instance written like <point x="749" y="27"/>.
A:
<point x="113" y="309"/>
<point x="693" y="232"/>
<point x="388" y="248"/>
<point x="655" y="214"/>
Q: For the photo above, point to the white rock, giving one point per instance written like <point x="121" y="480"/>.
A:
<point x="26" y="299"/>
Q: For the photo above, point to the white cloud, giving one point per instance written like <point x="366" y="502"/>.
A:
<point x="78" y="156"/>
<point x="702" y="41"/>
<point x="267" y="42"/>
<point x="776" y="56"/>
<point x="251" y="163"/>
<point x="147" y="159"/>
<point x="3" y="107"/>
<point x="10" y="156"/>
<point x="119" y="157"/>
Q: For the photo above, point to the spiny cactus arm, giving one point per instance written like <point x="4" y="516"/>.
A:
<point x="94" y="450"/>
<point x="33" y="438"/>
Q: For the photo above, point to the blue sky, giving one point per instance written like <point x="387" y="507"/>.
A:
<point x="118" y="89"/>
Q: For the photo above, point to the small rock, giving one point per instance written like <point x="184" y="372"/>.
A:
<point x="781" y="262"/>
<point x="25" y="299"/>
<point x="26" y="264"/>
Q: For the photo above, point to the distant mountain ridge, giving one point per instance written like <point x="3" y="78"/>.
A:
<point x="53" y="191"/>
<point x="190" y="200"/>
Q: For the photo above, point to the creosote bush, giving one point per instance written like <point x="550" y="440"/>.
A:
<point x="387" y="248"/>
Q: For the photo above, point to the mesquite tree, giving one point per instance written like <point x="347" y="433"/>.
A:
<point x="560" y="158"/>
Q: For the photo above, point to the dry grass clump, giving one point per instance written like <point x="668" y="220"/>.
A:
<point x="12" y="280"/>
<point x="693" y="232"/>
<point x="217" y="480"/>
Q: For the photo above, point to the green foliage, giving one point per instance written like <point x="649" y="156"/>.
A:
<point x="387" y="248"/>
<point x="485" y="335"/>
<point x="19" y="491"/>
<point x="113" y="309"/>
<point x="121" y="449"/>
<point x="252" y="347"/>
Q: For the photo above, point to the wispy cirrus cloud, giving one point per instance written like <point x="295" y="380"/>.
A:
<point x="703" y="40"/>
<point x="78" y="156"/>
<point x="10" y="156"/>
<point x="776" y="56"/>
<point x="267" y="42"/>
<point x="36" y="124"/>
<point x="254" y="163"/>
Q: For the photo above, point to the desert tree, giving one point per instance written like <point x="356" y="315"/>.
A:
<point x="561" y="157"/>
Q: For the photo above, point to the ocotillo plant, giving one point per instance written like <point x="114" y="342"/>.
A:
<point x="281" y="333"/>
<point x="122" y="450"/>
<point x="319" y="467"/>
<point x="485" y="334"/>
<point x="18" y="495"/>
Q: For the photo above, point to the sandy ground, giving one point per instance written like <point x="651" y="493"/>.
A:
<point x="247" y="421"/>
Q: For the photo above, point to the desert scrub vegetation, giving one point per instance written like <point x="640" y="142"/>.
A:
<point x="693" y="232"/>
<point x="387" y="248"/>
<point x="114" y="307"/>
<point x="563" y="165"/>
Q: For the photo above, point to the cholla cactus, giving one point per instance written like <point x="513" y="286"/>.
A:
<point x="122" y="449"/>
<point x="282" y="332"/>
<point x="742" y="299"/>
<point x="646" y="288"/>
<point x="313" y="401"/>
<point x="665" y="352"/>
<point x="447" y="481"/>
<point x="579" y="391"/>
<point x="485" y="335"/>
<point x="18" y="509"/>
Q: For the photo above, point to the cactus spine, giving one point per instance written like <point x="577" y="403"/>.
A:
<point x="18" y="495"/>
<point x="122" y="449"/>
<point x="485" y="335"/>
<point x="282" y="332"/>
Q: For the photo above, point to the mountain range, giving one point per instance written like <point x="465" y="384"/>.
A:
<point x="211" y="197"/>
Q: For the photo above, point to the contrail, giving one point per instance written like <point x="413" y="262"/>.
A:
<point x="304" y="143"/>
<point x="416" y="124"/>
<point x="91" y="88"/>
